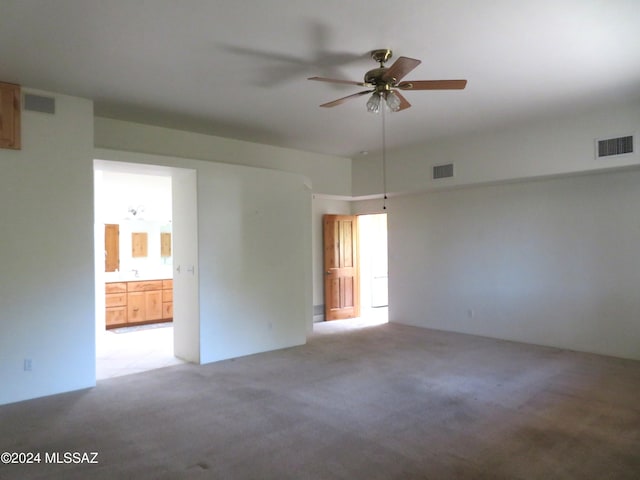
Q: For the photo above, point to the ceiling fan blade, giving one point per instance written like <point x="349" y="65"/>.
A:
<point x="334" y="80"/>
<point x="344" y="99"/>
<point x="400" y="68"/>
<point x="433" y="85"/>
<point x="403" y="101"/>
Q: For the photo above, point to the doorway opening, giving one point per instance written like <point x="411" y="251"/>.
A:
<point x="134" y="272"/>
<point x="374" y="273"/>
<point x="355" y="271"/>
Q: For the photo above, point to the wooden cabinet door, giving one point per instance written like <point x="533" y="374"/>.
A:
<point x="136" y="307"/>
<point x="153" y="305"/>
<point x="9" y="116"/>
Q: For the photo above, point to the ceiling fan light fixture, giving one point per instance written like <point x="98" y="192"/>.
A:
<point x="393" y="101"/>
<point x="373" y="105"/>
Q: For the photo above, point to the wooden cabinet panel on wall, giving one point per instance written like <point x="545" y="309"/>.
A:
<point x="139" y="244"/>
<point x="111" y="247"/>
<point x="9" y="116"/>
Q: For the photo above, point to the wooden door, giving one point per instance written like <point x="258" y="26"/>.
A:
<point x="9" y="116"/>
<point x="341" y="275"/>
<point x="111" y="247"/>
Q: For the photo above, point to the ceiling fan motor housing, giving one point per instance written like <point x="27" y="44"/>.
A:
<point x="375" y="77"/>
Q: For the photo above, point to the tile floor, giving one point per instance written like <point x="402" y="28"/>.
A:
<point x="120" y="354"/>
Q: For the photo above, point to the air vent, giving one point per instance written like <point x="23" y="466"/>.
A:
<point x="38" y="103"/>
<point x="443" y="171"/>
<point x="615" y="146"/>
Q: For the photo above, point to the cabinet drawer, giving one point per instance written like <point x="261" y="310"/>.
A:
<point x="115" y="299"/>
<point x="145" y="286"/>
<point x="167" y="283"/>
<point x="167" y="295"/>
<point x="119" y="287"/>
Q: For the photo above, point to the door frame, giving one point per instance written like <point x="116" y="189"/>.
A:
<point x="364" y="245"/>
<point x="187" y="330"/>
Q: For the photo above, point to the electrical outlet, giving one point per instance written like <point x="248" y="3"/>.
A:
<point x="27" y="365"/>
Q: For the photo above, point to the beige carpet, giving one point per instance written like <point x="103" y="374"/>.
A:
<point x="385" y="402"/>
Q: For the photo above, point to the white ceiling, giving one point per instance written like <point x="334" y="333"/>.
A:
<point x="238" y="68"/>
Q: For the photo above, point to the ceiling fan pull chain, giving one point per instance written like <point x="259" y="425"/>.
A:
<point x="384" y="160"/>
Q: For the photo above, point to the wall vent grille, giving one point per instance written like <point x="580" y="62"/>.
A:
<point x="615" y="146"/>
<point x="443" y="171"/>
<point x="38" y="103"/>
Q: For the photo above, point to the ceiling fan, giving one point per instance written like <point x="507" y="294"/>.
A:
<point x="386" y="83"/>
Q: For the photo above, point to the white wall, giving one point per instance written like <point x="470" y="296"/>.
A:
<point x="254" y="255"/>
<point x="46" y="287"/>
<point x="322" y="205"/>
<point x="121" y="190"/>
<point x="536" y="148"/>
<point x="328" y="175"/>
<point x="552" y="262"/>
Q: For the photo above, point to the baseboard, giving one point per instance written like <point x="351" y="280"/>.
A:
<point x="318" y="313"/>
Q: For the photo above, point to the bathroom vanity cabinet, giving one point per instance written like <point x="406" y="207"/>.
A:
<point x="138" y="302"/>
